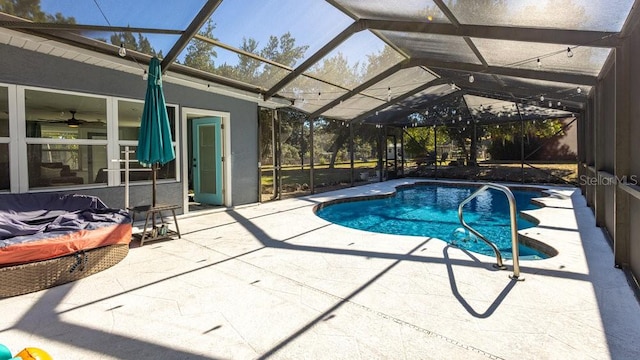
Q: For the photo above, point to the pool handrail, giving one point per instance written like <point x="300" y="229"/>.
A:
<point x="514" y="227"/>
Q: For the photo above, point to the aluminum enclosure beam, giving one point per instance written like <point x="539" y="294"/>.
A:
<point x="193" y="28"/>
<point x="406" y="95"/>
<point x="313" y="59"/>
<point x="563" y="37"/>
<point x="561" y="77"/>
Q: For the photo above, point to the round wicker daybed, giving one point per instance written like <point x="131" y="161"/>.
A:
<point x="50" y="239"/>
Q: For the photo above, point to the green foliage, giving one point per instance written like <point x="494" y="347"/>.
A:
<point x="378" y="62"/>
<point x="293" y="131"/>
<point x="200" y="54"/>
<point x="30" y="9"/>
<point x="336" y="69"/>
<point x="140" y="44"/>
<point x="283" y="50"/>
<point x="510" y="131"/>
<point x="419" y="140"/>
<point x="506" y="141"/>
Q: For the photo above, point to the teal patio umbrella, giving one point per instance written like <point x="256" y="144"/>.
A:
<point x="154" y="141"/>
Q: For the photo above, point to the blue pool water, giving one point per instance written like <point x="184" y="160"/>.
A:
<point x="431" y="210"/>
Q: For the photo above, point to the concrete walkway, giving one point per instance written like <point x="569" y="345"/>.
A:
<point x="275" y="281"/>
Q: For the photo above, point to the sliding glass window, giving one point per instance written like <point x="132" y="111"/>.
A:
<point x="66" y="137"/>
<point x="129" y="119"/>
<point x="5" y="176"/>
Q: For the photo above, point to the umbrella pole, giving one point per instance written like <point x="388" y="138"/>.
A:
<point x="153" y="186"/>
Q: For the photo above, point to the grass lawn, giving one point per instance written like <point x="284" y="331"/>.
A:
<point x="295" y="181"/>
<point x="341" y="173"/>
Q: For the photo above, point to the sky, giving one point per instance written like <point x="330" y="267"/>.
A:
<point x="311" y="22"/>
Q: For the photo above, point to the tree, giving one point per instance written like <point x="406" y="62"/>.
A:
<point x="281" y="50"/>
<point x="336" y="70"/>
<point x="141" y="44"/>
<point x="248" y="68"/>
<point x="200" y="54"/>
<point x="293" y="134"/>
<point x="378" y="62"/>
<point x="338" y="136"/>
<point x="297" y="129"/>
<point x="506" y="141"/>
<point x="30" y="9"/>
<point x="420" y="139"/>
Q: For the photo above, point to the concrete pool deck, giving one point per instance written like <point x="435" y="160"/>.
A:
<point x="272" y="280"/>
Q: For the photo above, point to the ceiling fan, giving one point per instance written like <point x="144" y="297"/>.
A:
<point x="72" y="122"/>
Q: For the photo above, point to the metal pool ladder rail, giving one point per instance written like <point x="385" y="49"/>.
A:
<point x="514" y="227"/>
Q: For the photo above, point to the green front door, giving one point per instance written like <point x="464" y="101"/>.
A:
<point x="207" y="160"/>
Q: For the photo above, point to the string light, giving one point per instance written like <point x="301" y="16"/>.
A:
<point x="122" y="52"/>
<point x="569" y="52"/>
<point x="471" y="79"/>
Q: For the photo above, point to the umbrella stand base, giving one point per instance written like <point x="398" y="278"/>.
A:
<point x="159" y="229"/>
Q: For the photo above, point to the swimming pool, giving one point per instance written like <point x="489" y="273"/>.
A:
<point x="432" y="210"/>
